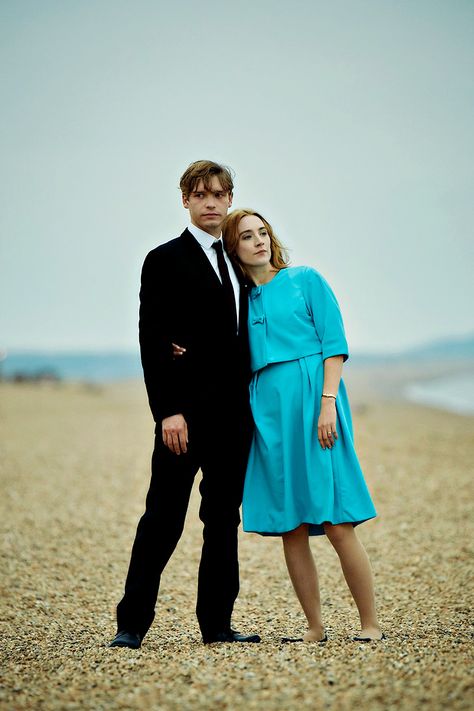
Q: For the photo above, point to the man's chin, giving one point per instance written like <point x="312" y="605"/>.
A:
<point x="211" y="224"/>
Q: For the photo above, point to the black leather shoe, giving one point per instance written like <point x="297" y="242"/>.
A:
<point x="230" y="636"/>
<point x="369" y="639"/>
<point x="126" y="639"/>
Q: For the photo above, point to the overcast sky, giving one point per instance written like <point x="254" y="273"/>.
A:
<point x="348" y="124"/>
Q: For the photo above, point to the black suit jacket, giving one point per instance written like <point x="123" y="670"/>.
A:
<point x="181" y="301"/>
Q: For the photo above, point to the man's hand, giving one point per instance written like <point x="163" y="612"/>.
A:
<point x="175" y="433"/>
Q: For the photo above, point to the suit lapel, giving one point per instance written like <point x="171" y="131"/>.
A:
<point x="197" y="259"/>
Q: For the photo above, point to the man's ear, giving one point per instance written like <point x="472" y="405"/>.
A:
<point x="185" y="200"/>
<point x="231" y="197"/>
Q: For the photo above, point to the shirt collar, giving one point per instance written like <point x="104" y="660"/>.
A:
<point x="204" y="238"/>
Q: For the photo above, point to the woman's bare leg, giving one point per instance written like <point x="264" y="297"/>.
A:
<point x="304" y="576"/>
<point x="358" y="574"/>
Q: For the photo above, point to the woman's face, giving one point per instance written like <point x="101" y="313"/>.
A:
<point x="253" y="248"/>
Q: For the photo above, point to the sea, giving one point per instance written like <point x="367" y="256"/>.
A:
<point x="454" y="393"/>
<point x="90" y="367"/>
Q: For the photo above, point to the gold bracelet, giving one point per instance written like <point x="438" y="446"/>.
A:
<point x="329" y="395"/>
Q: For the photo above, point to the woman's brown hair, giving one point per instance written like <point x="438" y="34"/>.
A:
<point x="230" y="234"/>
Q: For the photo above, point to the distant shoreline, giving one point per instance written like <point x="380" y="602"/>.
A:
<point x="454" y="393"/>
<point x="446" y="384"/>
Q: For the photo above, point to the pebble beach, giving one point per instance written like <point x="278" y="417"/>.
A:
<point x="74" y="472"/>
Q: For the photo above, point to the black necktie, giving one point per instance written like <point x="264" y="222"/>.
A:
<point x="226" y="282"/>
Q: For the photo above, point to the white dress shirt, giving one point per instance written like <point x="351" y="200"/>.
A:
<point x="206" y="241"/>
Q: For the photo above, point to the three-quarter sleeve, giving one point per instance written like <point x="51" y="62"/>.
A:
<point x="326" y="315"/>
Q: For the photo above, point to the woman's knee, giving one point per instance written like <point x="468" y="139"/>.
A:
<point x="338" y="533"/>
<point x="296" y="535"/>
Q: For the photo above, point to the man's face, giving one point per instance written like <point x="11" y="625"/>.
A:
<point x="208" y="208"/>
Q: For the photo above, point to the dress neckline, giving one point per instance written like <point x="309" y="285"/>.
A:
<point x="267" y="283"/>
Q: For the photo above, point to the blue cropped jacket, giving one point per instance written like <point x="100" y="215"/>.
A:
<point x="314" y="325"/>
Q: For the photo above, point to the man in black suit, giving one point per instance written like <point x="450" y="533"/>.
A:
<point x="190" y="295"/>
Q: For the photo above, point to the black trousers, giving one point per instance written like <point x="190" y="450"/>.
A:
<point x="219" y="445"/>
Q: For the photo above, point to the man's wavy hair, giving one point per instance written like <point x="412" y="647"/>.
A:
<point x="205" y="170"/>
<point x="230" y="234"/>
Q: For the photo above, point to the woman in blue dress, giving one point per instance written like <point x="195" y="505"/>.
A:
<point x="303" y="476"/>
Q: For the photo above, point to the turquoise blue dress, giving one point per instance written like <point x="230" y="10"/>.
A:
<point x="294" y="325"/>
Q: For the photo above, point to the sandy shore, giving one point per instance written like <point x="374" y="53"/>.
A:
<point x="75" y="470"/>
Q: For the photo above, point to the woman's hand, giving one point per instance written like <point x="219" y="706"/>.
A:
<point x="327" y="433"/>
<point x="178" y="350"/>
